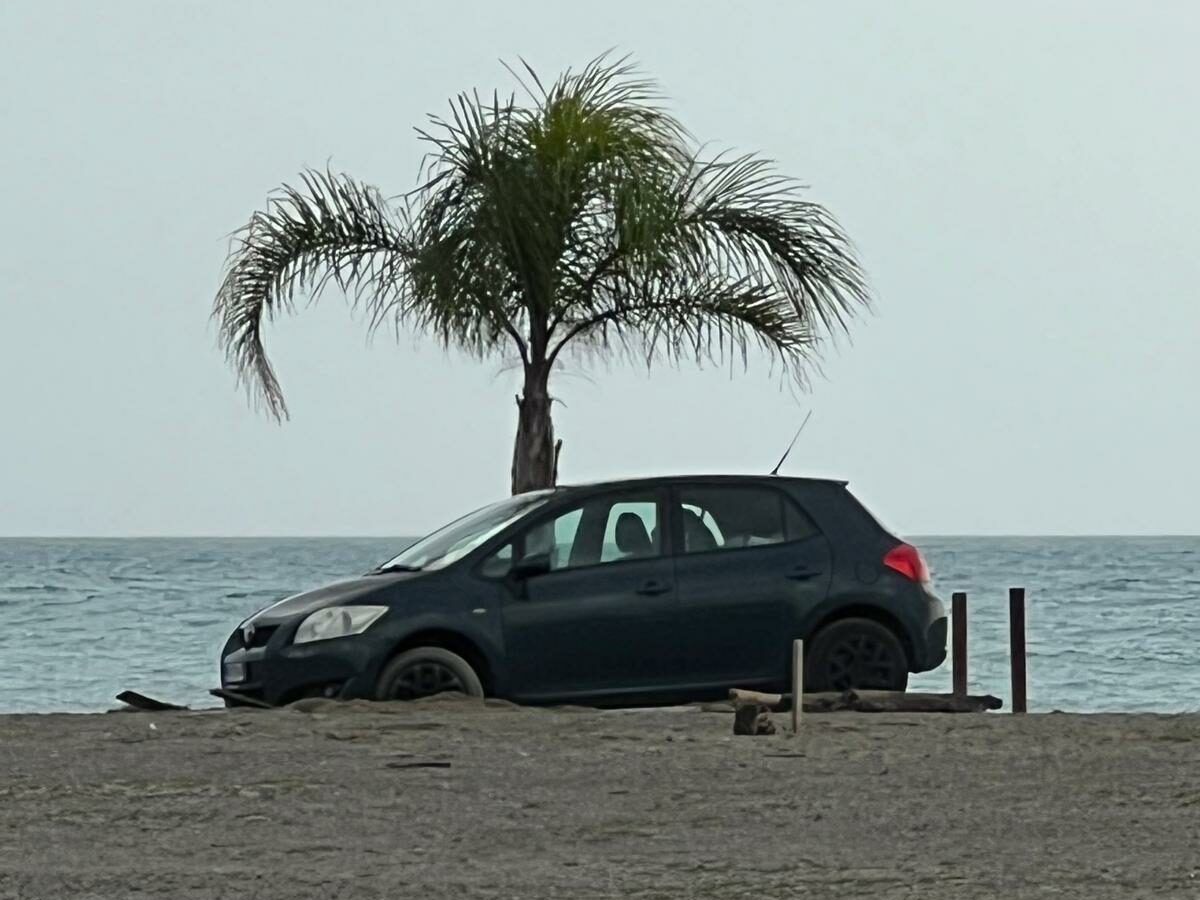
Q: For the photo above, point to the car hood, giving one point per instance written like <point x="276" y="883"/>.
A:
<point x="331" y="595"/>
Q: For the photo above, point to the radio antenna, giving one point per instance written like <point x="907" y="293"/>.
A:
<point x="775" y="471"/>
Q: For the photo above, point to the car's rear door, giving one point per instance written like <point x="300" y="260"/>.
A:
<point x="749" y="564"/>
<point x="604" y="620"/>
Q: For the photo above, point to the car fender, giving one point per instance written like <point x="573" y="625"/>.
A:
<point x="478" y="632"/>
<point x="851" y="604"/>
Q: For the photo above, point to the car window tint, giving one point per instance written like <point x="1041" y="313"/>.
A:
<point x="727" y="517"/>
<point x="797" y="523"/>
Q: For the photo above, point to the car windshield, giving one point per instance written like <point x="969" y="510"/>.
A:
<point x="461" y="536"/>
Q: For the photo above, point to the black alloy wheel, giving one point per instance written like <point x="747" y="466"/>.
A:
<point x="425" y="672"/>
<point x="424" y="679"/>
<point x="856" y="654"/>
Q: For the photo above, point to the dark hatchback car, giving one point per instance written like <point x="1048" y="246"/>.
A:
<point x="648" y="591"/>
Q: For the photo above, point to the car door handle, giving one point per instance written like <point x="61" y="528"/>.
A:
<point x="800" y="573"/>
<point x="652" y="587"/>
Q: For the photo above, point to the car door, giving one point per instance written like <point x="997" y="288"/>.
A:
<point x="603" y="618"/>
<point x="749" y="564"/>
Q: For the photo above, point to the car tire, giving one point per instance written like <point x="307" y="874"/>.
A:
<point x="855" y="653"/>
<point x="425" y="671"/>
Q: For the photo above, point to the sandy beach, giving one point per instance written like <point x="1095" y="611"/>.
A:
<point x="452" y="798"/>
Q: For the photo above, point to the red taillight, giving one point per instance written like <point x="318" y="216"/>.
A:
<point x="907" y="560"/>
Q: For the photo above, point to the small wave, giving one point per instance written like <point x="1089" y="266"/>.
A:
<point x="75" y="601"/>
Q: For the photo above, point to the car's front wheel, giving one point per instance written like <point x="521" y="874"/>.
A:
<point x="425" y="671"/>
<point x="855" y="653"/>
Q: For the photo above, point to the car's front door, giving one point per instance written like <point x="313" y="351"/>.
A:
<point x="602" y="617"/>
<point x="749" y="564"/>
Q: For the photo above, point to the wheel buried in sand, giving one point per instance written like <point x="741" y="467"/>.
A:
<point x="426" y="671"/>
<point x="857" y="653"/>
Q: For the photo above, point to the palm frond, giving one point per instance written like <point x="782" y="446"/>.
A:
<point x="684" y="318"/>
<point x="725" y="255"/>
<point x="330" y="228"/>
<point x="743" y="215"/>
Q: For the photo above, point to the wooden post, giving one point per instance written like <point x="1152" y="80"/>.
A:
<point x="1016" y="624"/>
<point x="797" y="684"/>
<point x="958" y="621"/>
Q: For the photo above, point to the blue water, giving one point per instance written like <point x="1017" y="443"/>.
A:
<point x="1112" y="622"/>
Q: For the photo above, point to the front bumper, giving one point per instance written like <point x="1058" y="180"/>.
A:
<point x="280" y="672"/>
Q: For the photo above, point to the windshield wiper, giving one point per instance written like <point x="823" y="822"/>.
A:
<point x="394" y="567"/>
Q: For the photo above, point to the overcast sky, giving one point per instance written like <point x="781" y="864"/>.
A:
<point x="1020" y="179"/>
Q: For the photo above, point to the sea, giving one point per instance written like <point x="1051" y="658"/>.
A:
<point x="1113" y="623"/>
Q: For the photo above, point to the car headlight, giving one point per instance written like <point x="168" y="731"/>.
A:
<point x="336" y="622"/>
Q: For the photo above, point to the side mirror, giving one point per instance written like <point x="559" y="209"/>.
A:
<point x="531" y="565"/>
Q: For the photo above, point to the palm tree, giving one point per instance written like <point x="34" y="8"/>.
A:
<point x="583" y="220"/>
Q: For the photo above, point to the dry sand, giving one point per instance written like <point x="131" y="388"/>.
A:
<point x="340" y="801"/>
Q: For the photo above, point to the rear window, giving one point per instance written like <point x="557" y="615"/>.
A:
<point x="726" y="517"/>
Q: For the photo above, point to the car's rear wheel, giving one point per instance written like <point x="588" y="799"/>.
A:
<point x="425" y="671"/>
<point x="856" y="653"/>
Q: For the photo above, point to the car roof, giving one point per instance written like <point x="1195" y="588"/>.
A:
<point x="671" y="479"/>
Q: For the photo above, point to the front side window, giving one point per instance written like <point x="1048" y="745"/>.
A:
<point x="600" y="530"/>
<point x="554" y="538"/>
<point x="727" y="517"/>
<point x="631" y="531"/>
<point x="499" y="563"/>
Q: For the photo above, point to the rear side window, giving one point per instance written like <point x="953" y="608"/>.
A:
<point x="728" y="517"/>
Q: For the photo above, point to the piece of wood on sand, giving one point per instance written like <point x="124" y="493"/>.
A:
<point x="869" y="701"/>
<point x="146" y="704"/>
<point x="752" y="718"/>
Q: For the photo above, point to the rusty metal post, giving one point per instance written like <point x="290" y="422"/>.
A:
<point x="958" y="643"/>
<point x="1016" y="624"/>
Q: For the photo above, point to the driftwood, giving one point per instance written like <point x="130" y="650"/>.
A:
<point x="146" y="704"/>
<point x="752" y="718"/>
<point x="739" y="698"/>
<point x="868" y="701"/>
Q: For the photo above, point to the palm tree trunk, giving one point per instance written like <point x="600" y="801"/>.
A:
<point x="534" y="464"/>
